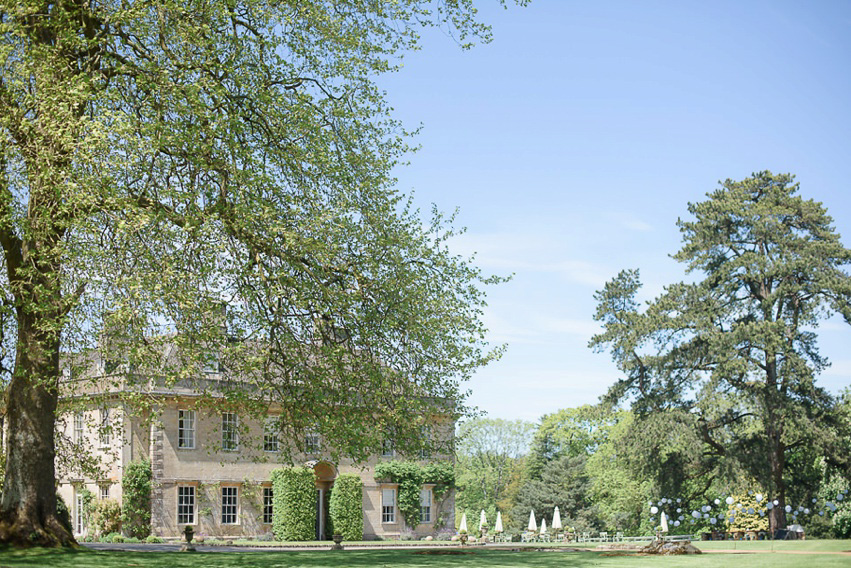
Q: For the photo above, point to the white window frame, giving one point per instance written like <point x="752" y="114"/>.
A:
<point x="186" y="503"/>
<point x="105" y="430"/>
<point x="270" y="434"/>
<point x="79" y="427"/>
<point x="268" y="505"/>
<point x="425" y="432"/>
<point x="426" y="503"/>
<point x="312" y="442"/>
<point x="388" y="448"/>
<point x="230" y="432"/>
<point x="211" y="364"/>
<point x="103" y="490"/>
<point x="79" y="517"/>
<point x="185" y="429"/>
<point x="230" y="504"/>
<point x="388" y="510"/>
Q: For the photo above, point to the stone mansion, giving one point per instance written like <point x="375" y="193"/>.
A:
<point x="203" y="475"/>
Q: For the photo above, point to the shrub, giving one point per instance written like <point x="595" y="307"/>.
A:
<point x="346" y="507"/>
<point x="151" y="539"/>
<point x="108" y="537"/>
<point x="116" y="538"/>
<point x="444" y="534"/>
<point x="105" y="516"/>
<point x="294" y="503"/>
<point x="132" y="539"/>
<point x="407" y="533"/>
<point x="136" y="487"/>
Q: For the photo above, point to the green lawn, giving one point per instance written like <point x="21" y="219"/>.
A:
<point x="473" y="557"/>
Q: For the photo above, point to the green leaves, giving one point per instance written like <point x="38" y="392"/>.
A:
<point x="136" y="499"/>
<point x="346" y="507"/>
<point x="411" y="476"/>
<point x="294" y="503"/>
<point x="736" y="349"/>
<point x="159" y="162"/>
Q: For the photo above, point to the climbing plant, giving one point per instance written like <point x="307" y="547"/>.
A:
<point x="411" y="476"/>
<point x="346" y="507"/>
<point x="136" y="489"/>
<point x="294" y="503"/>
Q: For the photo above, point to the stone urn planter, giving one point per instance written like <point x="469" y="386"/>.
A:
<point x="188" y="533"/>
<point x="338" y="539"/>
<point x="463" y="538"/>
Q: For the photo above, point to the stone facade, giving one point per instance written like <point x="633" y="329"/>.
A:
<point x="220" y="481"/>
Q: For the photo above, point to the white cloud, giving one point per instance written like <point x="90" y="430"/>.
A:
<point x="629" y="221"/>
<point x="523" y="252"/>
<point x="568" y="326"/>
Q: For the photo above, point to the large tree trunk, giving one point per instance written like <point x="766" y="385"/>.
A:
<point x="777" y="462"/>
<point x="774" y="427"/>
<point x="28" y="509"/>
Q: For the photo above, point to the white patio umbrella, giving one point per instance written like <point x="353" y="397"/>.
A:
<point x="543" y="525"/>
<point x="556" y="519"/>
<point x="533" y="526"/>
<point x="498" y="526"/>
<point x="463" y="527"/>
<point x="483" y="519"/>
<point x="664" y="522"/>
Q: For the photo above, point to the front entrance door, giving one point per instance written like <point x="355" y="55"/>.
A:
<point x="320" y="514"/>
<point x="79" y="518"/>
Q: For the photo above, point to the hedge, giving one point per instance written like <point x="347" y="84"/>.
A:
<point x="294" y="503"/>
<point x="346" y="507"/>
<point x="136" y="489"/>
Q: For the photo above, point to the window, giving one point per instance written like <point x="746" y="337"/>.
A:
<point x="211" y="363"/>
<point x="311" y="442"/>
<point x="388" y="448"/>
<point x="111" y="366"/>
<point x="425" y="434"/>
<point x="267" y="505"/>
<point x="425" y="505"/>
<point x="388" y="505"/>
<point x="270" y="434"/>
<point x="79" y="426"/>
<point x="79" y="513"/>
<point x="105" y="431"/>
<point x="230" y="504"/>
<point x="230" y="434"/>
<point x="104" y="491"/>
<point x="186" y="429"/>
<point x="186" y="505"/>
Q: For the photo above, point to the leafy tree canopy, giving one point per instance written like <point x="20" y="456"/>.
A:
<point x="736" y="348"/>
<point x="490" y="466"/>
<point x="567" y="432"/>
<point x="159" y="160"/>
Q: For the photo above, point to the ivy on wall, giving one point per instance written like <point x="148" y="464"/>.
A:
<point x="346" y="507"/>
<point x="294" y="503"/>
<point x="411" y="476"/>
<point x="136" y="489"/>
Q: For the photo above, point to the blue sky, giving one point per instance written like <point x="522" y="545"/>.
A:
<point x="574" y="141"/>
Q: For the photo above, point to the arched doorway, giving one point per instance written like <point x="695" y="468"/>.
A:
<point x="325" y="473"/>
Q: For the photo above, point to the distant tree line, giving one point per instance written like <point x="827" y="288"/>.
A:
<point x="606" y="469"/>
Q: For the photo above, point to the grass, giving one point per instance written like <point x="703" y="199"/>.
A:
<point x="750" y="554"/>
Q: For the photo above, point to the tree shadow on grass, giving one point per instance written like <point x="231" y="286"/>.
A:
<point x="292" y="559"/>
